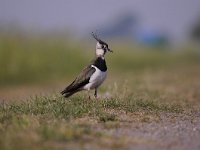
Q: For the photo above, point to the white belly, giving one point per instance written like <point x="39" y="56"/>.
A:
<point x="96" y="79"/>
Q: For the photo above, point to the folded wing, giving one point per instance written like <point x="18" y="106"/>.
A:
<point x="79" y="82"/>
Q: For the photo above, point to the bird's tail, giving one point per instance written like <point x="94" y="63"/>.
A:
<point x="67" y="94"/>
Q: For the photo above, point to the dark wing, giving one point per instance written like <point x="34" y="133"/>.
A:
<point x="79" y="82"/>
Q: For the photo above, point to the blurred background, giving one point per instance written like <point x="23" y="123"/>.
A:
<point x="45" y="43"/>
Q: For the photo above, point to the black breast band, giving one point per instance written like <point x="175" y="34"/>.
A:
<point x="100" y="64"/>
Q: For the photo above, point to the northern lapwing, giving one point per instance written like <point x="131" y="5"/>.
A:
<point x="93" y="75"/>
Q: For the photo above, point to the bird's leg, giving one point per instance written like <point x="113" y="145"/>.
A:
<point x="95" y="93"/>
<point x="89" y="94"/>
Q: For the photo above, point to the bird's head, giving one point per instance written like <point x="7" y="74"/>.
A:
<point x="101" y="46"/>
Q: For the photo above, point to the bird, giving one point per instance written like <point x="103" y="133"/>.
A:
<point x="93" y="75"/>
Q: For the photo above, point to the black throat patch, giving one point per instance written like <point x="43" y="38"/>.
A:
<point x="100" y="63"/>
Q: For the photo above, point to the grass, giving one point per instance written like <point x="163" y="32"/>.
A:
<point x="142" y="86"/>
<point x="78" y="106"/>
<point x="49" y="122"/>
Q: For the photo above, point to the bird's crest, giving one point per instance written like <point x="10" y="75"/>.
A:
<point x="94" y="35"/>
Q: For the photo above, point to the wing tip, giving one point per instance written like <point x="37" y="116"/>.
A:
<point x="62" y="92"/>
<point x="67" y="94"/>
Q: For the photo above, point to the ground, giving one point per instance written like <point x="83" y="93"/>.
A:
<point x="150" y="100"/>
<point x="148" y="109"/>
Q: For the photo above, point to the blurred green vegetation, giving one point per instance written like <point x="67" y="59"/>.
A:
<point x="30" y="59"/>
<point x="27" y="58"/>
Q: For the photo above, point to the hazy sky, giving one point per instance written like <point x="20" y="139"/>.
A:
<point x="172" y="16"/>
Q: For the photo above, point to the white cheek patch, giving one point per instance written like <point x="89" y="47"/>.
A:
<point x="99" y="52"/>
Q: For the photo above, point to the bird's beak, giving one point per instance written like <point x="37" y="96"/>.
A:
<point x="110" y="50"/>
